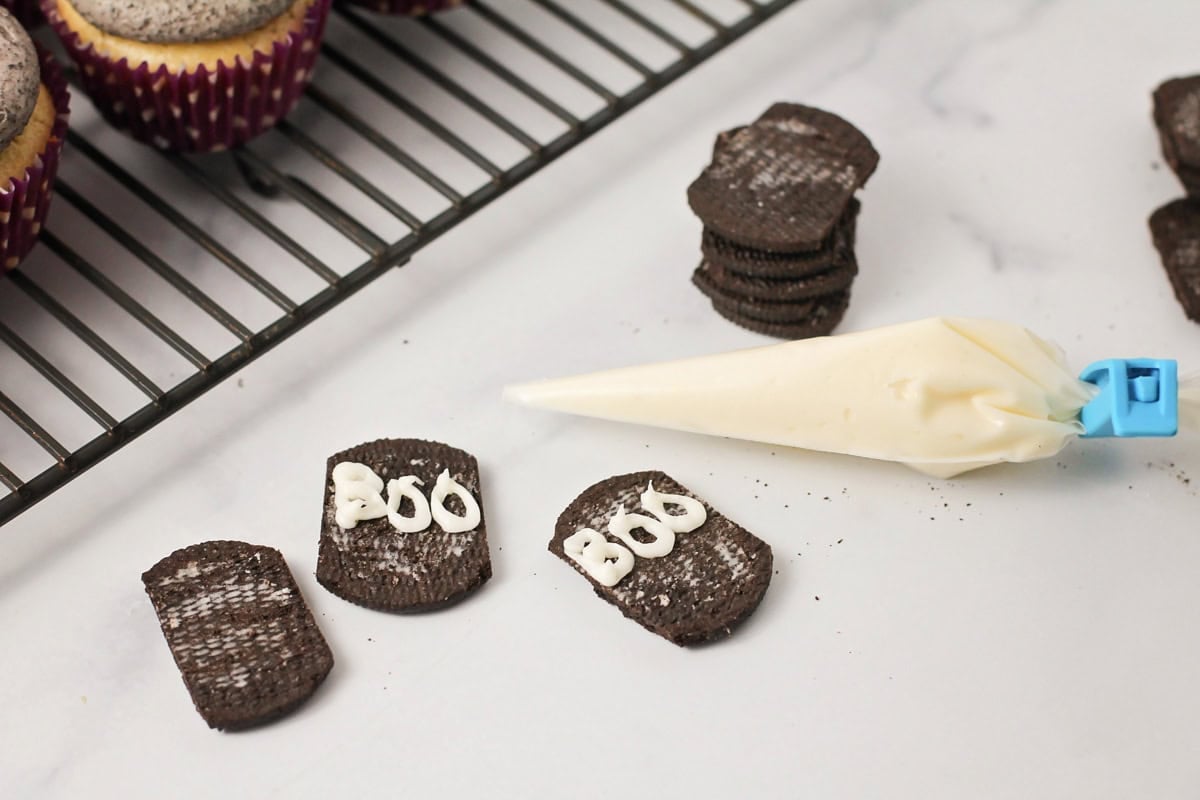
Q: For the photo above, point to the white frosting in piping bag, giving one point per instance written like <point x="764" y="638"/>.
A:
<point x="1189" y="403"/>
<point x="943" y="395"/>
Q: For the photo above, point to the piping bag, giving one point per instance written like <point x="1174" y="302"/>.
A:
<point x="943" y="395"/>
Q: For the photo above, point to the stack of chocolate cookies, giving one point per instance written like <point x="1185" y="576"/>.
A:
<point x="1176" y="226"/>
<point x="779" y="213"/>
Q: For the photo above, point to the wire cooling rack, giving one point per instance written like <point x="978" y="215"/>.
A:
<point x="144" y="294"/>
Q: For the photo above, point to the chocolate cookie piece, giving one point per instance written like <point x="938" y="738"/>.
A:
<point x="712" y="579"/>
<point x="1177" y="117"/>
<point x="824" y="315"/>
<point x="714" y="280"/>
<point x="782" y="183"/>
<point x="243" y="638"/>
<point x="834" y="251"/>
<point x="375" y="565"/>
<point x="1176" y="231"/>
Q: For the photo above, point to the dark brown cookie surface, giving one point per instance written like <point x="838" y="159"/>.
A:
<point x="1176" y="231"/>
<point x="1177" y="117"/>
<point x="375" y="565"/>
<point x="824" y="314"/>
<point x="714" y="578"/>
<point x="781" y="183"/>
<point x="239" y="630"/>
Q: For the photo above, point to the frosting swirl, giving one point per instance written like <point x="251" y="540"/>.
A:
<point x="20" y="77"/>
<point x="175" y="21"/>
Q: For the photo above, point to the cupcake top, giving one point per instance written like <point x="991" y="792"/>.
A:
<point x="173" y="21"/>
<point x="20" y="77"/>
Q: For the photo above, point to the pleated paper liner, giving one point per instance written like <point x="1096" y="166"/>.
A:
<point x="204" y="110"/>
<point x="27" y="12"/>
<point x="405" y="7"/>
<point x="26" y="200"/>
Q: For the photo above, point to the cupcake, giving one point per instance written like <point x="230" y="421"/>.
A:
<point x="26" y="11"/>
<point x="33" y="124"/>
<point x="407" y="7"/>
<point x="191" y="75"/>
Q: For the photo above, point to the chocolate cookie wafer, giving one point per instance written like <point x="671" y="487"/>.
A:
<point x="1177" y="117"/>
<point x="833" y="252"/>
<point x="1176" y="231"/>
<point x="782" y="183"/>
<point x="712" y="279"/>
<point x="403" y="526"/>
<point x="243" y="638"/>
<point x="699" y="577"/>
<point x="823" y="315"/>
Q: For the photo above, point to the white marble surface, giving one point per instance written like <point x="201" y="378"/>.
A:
<point x="1026" y="631"/>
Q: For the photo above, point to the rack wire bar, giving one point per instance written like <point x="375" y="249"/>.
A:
<point x="299" y="168"/>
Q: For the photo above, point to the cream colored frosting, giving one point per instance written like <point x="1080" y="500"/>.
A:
<point x="453" y="523"/>
<point x="400" y="488"/>
<point x="356" y="494"/>
<point x="693" y="515"/>
<point x="168" y="21"/>
<point x="623" y="524"/>
<point x="20" y="77"/>
<point x="605" y="561"/>
<point x="1189" y="403"/>
<point x="943" y="395"/>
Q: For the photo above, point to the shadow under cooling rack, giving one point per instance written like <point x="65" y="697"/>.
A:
<point x="161" y="275"/>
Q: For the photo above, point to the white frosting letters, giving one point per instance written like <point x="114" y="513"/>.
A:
<point x="357" y="496"/>
<point x="400" y="488"/>
<point x="607" y="562"/>
<point x="622" y="525"/>
<point x="693" y="515"/>
<point x="452" y="523"/>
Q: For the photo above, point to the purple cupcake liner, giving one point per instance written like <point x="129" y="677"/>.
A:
<point x="205" y="110"/>
<point x="406" y="7"/>
<point x="27" y="12"/>
<point x="24" y="206"/>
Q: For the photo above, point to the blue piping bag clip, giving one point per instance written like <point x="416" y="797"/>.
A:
<point x="1138" y="397"/>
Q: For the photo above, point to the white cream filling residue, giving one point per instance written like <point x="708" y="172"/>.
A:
<point x="358" y="496"/>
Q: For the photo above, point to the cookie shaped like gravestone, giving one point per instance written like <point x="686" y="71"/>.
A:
<point x="713" y="578"/>
<point x="782" y="183"/>
<point x="242" y="637"/>
<point x="1176" y="231"/>
<point x="376" y="564"/>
